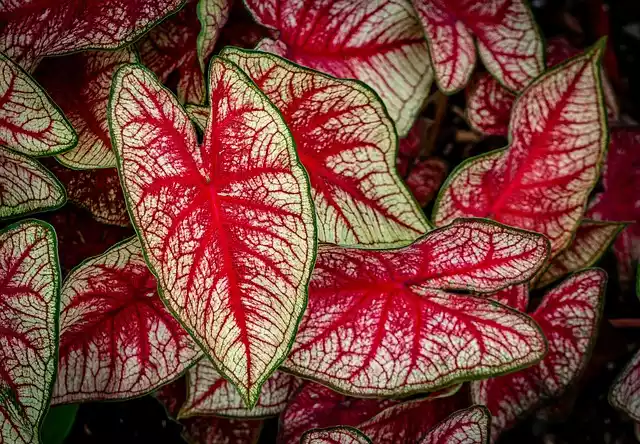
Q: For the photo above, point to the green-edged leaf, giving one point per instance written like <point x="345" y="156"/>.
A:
<point x="469" y="426"/>
<point x="213" y="15"/>
<point x="335" y="435"/>
<point x="625" y="391"/>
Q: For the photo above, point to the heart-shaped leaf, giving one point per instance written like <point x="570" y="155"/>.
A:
<point x="227" y="226"/>
<point x="542" y="180"/>
<point x="569" y="316"/>
<point x="213" y="15"/>
<point x="508" y="40"/>
<point x="413" y="334"/>
<point x="117" y="340"/>
<point x="337" y="37"/>
<point x="80" y="85"/>
<point x="469" y="426"/>
<point x="347" y="144"/>
<point x="26" y="186"/>
<point x="29" y="302"/>
<point x="29" y="122"/>
<point x="335" y="435"/>
<point x="52" y="27"/>
<point x="210" y="394"/>
<point x="516" y="296"/>
<point x="625" y="391"/>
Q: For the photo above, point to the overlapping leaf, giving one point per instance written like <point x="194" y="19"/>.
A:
<point x="347" y="145"/>
<point x="542" y="180"/>
<point x="507" y="37"/>
<point x="213" y="15"/>
<point x="26" y="186"/>
<point x="37" y="29"/>
<point x="625" y="391"/>
<point x="29" y="122"/>
<point x="80" y="85"/>
<point x="384" y="323"/>
<point x="470" y="426"/>
<point x="29" y="304"/>
<point x="379" y="43"/>
<point x="516" y="296"/>
<point x="117" y="340"/>
<point x="425" y="178"/>
<point x="335" y="435"/>
<point x="569" y="316"/>
<point x="210" y="394"/>
<point x="226" y="226"/>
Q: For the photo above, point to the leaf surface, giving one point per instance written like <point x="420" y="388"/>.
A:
<point x="227" y="226"/>
<point x="117" y="340"/>
<point x="347" y="144"/>
<point x="516" y="296"/>
<point x="425" y="179"/>
<point x="625" y="391"/>
<point x="385" y="323"/>
<point x="29" y="306"/>
<point x="213" y="15"/>
<point x="569" y="316"/>
<point x="335" y="435"/>
<point x="469" y="426"/>
<point x="542" y="179"/>
<point x="380" y="43"/>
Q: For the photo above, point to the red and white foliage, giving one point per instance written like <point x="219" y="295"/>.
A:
<point x="569" y="316"/>
<point x="506" y="35"/>
<point x="347" y="144"/>
<point x="117" y="340"/>
<point x="29" y="122"/>
<point x="213" y="15"/>
<point x="210" y="394"/>
<point x="591" y="240"/>
<point x="536" y="183"/>
<point x="469" y="426"/>
<point x="226" y="226"/>
<point x="621" y="175"/>
<point x="80" y="84"/>
<point x="378" y="42"/>
<point x="425" y="178"/>
<point x="385" y="323"/>
<point x="29" y="304"/>
<point x="40" y="28"/>
<point x="335" y="435"/>
<point x="212" y="430"/>
<point x="26" y="186"/>
<point x="625" y="391"/>
<point x="516" y="296"/>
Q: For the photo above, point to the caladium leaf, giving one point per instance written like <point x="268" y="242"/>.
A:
<point x="410" y="147"/>
<point x="625" y="391"/>
<point x="592" y="239"/>
<point x="347" y="145"/>
<point x="34" y="30"/>
<point x="508" y="40"/>
<point x="469" y="426"/>
<point x="26" y="186"/>
<point x="29" y="122"/>
<point x="569" y="315"/>
<point x="533" y="183"/>
<point x="336" y="37"/>
<point x="210" y="394"/>
<point x="213" y="15"/>
<point x="386" y="299"/>
<point x="335" y="435"/>
<point x="212" y="430"/>
<point x="29" y="302"/>
<point x="117" y="340"/>
<point x="425" y="178"/>
<point x="234" y="215"/>
<point x="80" y="85"/>
<point x="516" y="296"/>
<point x="172" y="396"/>
<point x="621" y="174"/>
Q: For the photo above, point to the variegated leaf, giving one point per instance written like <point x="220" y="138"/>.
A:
<point x="335" y="435"/>
<point x="469" y="426"/>
<point x="625" y="391"/>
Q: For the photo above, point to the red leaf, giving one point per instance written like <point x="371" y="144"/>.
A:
<point x="233" y="215"/>
<point x="425" y="179"/>
<point x="469" y="426"/>
<point x="347" y="145"/>
<point x="117" y="340"/>
<point x="29" y="304"/>
<point x="410" y="147"/>
<point x="26" y="186"/>
<point x="413" y="334"/>
<point x="506" y="34"/>
<point x="210" y="394"/>
<point x="316" y="406"/>
<point x="172" y="396"/>
<point x="29" y="122"/>
<point x="569" y="316"/>
<point x="380" y="43"/>
<point x="622" y="174"/>
<point x="41" y="28"/>
<point x="212" y="430"/>
<point x="536" y="182"/>
<point x="516" y="296"/>
<point x="335" y="435"/>
<point x="80" y="85"/>
<point x="625" y="391"/>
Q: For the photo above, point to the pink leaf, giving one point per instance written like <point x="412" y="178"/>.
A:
<point x="569" y="316"/>
<point x="212" y="430"/>
<point x="469" y="426"/>
<point x="172" y="396"/>
<point x="233" y="216"/>
<point x="625" y="391"/>
<point x="425" y="179"/>
<point x="41" y="28"/>
<point x="379" y="43"/>
<point x="347" y="144"/>
<point x="516" y="296"/>
<point x="117" y="340"/>
<point x="413" y="334"/>
<point x="506" y="34"/>
<point x="410" y="147"/>
<point x="335" y="435"/>
<point x="29" y="304"/>
<point x="542" y="179"/>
